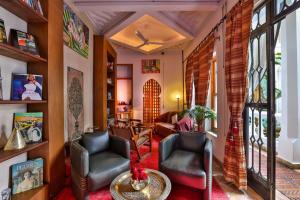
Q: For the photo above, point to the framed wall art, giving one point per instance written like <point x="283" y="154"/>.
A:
<point x="150" y="66"/>
<point x="76" y="33"/>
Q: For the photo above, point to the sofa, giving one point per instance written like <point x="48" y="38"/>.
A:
<point x="96" y="159"/>
<point x="186" y="158"/>
<point x="164" y="126"/>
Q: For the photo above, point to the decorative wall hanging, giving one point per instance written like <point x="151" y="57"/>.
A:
<point x="76" y="33"/>
<point x="150" y="66"/>
<point x="75" y="104"/>
<point x="151" y="101"/>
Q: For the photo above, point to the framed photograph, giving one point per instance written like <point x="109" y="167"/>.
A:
<point x="24" y="41"/>
<point x="27" y="175"/>
<point x="26" y="87"/>
<point x="30" y="126"/>
<point x="76" y="33"/>
<point x="5" y="194"/>
<point x="150" y="66"/>
<point x="3" y="38"/>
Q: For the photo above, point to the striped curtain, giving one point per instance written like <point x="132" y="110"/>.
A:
<point x="189" y="80"/>
<point x="236" y="62"/>
<point x="202" y="70"/>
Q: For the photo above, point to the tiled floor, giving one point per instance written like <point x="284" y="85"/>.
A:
<point x="235" y="194"/>
<point x="232" y="192"/>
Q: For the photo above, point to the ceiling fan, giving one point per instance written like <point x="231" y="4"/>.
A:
<point x="145" y="41"/>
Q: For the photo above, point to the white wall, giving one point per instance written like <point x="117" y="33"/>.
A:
<point x="85" y="65"/>
<point x="223" y="112"/>
<point x="170" y="78"/>
<point x="9" y="66"/>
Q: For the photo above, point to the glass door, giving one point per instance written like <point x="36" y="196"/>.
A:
<point x="263" y="108"/>
<point x="258" y="109"/>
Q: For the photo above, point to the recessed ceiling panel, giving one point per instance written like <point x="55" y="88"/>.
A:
<point x="152" y="30"/>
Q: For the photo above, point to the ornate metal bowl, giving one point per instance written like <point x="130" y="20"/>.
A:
<point x="139" y="184"/>
<point x="158" y="188"/>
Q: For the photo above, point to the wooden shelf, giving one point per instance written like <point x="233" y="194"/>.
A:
<point x="24" y="11"/>
<point x="5" y="155"/>
<point x="125" y="78"/>
<point x="35" y="194"/>
<point x="12" y="52"/>
<point x="22" y="102"/>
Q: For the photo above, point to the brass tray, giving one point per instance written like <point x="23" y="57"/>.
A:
<point x="159" y="187"/>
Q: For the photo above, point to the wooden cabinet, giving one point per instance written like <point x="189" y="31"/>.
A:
<point x="48" y="30"/>
<point x="105" y="83"/>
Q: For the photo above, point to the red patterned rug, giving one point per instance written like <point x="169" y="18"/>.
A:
<point x="179" y="192"/>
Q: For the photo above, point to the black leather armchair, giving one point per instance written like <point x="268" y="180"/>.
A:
<point x="186" y="158"/>
<point x="96" y="160"/>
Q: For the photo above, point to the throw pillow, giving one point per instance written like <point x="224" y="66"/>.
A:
<point x="184" y="125"/>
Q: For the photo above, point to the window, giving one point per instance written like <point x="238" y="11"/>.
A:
<point x="214" y="91"/>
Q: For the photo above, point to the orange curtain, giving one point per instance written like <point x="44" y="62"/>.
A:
<point x="189" y="79"/>
<point x="236" y="63"/>
<point x="202" y="70"/>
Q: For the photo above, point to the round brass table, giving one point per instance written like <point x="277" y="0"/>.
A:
<point x="159" y="187"/>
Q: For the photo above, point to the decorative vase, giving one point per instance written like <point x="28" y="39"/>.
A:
<point x="15" y="141"/>
<point x="201" y="126"/>
<point x="139" y="184"/>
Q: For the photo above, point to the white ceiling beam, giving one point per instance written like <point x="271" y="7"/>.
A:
<point x="165" y="20"/>
<point x="132" y="6"/>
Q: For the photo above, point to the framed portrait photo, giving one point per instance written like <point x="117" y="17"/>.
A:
<point x="26" y="87"/>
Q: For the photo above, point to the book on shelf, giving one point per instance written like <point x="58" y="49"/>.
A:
<point x="27" y="87"/>
<point x="3" y="37"/>
<point x="27" y="175"/>
<point x="35" y="4"/>
<point x="30" y="126"/>
<point x="24" y="41"/>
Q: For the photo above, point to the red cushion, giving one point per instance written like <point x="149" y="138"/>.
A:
<point x="184" y="125"/>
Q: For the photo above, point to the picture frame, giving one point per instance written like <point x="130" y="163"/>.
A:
<point x="26" y="87"/>
<point x="150" y="66"/>
<point x="3" y="37"/>
<point x="27" y="175"/>
<point x="30" y="125"/>
<point x="24" y="41"/>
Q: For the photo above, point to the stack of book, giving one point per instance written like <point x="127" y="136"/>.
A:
<point x="35" y="4"/>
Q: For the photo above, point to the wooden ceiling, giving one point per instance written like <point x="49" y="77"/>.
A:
<point x="186" y="17"/>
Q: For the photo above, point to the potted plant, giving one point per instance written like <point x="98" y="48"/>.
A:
<point x="200" y="113"/>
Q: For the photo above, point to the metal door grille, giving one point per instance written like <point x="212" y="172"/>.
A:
<point x="151" y="101"/>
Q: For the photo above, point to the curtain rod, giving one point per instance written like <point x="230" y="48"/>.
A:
<point x="214" y="29"/>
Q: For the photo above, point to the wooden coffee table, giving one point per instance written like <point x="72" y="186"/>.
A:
<point x="159" y="187"/>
